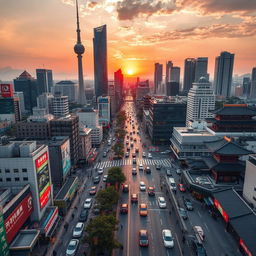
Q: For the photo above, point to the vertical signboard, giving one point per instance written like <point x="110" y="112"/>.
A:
<point x="221" y="210"/>
<point x="4" y="250"/>
<point x="6" y="90"/>
<point x="65" y="154"/>
<point x="43" y="179"/>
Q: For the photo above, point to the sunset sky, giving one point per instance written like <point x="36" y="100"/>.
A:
<point x="41" y="33"/>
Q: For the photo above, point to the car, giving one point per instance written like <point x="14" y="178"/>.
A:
<point x="127" y="154"/>
<point x="158" y="167"/>
<point x="197" y="246"/>
<point x="151" y="191"/>
<point x="132" y="145"/>
<point x="78" y="230"/>
<point x="114" y="139"/>
<point x="183" y="213"/>
<point x="168" y="172"/>
<point x="142" y="186"/>
<point x="83" y="215"/>
<point x="136" y="150"/>
<point x="93" y="190"/>
<point x="135" y="140"/>
<point x="134" y="160"/>
<point x="133" y="154"/>
<point x="138" y="133"/>
<point x="148" y="170"/>
<point x="127" y="142"/>
<point x="203" y="180"/>
<point x="134" y="171"/>
<point x="125" y="188"/>
<point x="130" y="133"/>
<point x="131" y="139"/>
<point x="127" y="137"/>
<point x="104" y="154"/>
<point x="172" y="184"/>
<point x="128" y="149"/>
<point x="188" y="204"/>
<point x="143" y="210"/>
<point x="167" y="238"/>
<point x="178" y="171"/>
<point x="96" y="209"/>
<point x="88" y="203"/>
<point x="182" y="187"/>
<point x="100" y="170"/>
<point x="199" y="231"/>
<point x="141" y="167"/>
<point x="134" y="198"/>
<point x="96" y="179"/>
<point x="124" y="208"/>
<point x="149" y="155"/>
<point x="105" y="178"/>
<point x="161" y="202"/>
<point x="143" y="238"/>
<point x="143" y="154"/>
<point x="72" y="247"/>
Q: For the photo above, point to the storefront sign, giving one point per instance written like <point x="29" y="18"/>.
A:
<point x="221" y="210"/>
<point x="43" y="179"/>
<point x="246" y="250"/>
<point x="51" y="221"/>
<point x="65" y="154"/>
<point x="18" y="217"/>
<point x="6" y="90"/>
<point x="4" y="250"/>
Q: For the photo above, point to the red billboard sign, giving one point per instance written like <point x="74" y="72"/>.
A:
<point x="221" y="210"/>
<point x="43" y="179"/>
<point x="6" y="90"/>
<point x="51" y="221"/>
<point x="18" y="217"/>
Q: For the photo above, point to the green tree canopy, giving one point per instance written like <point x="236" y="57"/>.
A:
<point x="107" y="198"/>
<point x="115" y="176"/>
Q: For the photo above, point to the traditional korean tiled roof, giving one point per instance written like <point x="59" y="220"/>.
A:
<point x="235" y="110"/>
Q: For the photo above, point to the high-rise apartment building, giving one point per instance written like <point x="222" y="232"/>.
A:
<point x="113" y="97"/>
<point x="201" y="68"/>
<point x="67" y="88"/>
<point x="119" y="86"/>
<point x="60" y="105"/>
<point x="100" y="61"/>
<point x="45" y="101"/>
<point x="44" y="80"/>
<point x="174" y="74"/>
<point x="27" y="84"/>
<point x="189" y="74"/>
<point x="168" y="67"/>
<point x="158" y="77"/>
<point x="172" y="88"/>
<point x="223" y="74"/>
<point x="104" y="110"/>
<point x="246" y="86"/>
<point x="201" y="101"/>
<point x="253" y="84"/>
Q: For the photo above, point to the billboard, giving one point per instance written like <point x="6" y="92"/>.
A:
<point x="4" y="250"/>
<point x="221" y="210"/>
<point x="65" y="156"/>
<point x="43" y="179"/>
<point x="6" y="90"/>
<point x="51" y="220"/>
<point x="18" y="216"/>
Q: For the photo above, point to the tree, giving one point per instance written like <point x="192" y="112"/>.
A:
<point x="115" y="176"/>
<point x="100" y="234"/>
<point x="107" y="198"/>
<point x="119" y="149"/>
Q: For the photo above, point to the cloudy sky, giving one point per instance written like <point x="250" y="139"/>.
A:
<point x="41" y="33"/>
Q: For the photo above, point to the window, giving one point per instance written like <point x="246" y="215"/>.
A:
<point x="17" y="179"/>
<point x="25" y="178"/>
<point x="16" y="170"/>
<point x="7" y="170"/>
<point x="8" y="179"/>
<point x="24" y="170"/>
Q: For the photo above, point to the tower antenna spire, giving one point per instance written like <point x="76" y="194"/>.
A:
<point x="77" y="24"/>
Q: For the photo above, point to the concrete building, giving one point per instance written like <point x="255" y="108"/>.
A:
<point x="45" y="100"/>
<point x="119" y="86"/>
<point x="142" y="90"/>
<point x="86" y="143"/>
<point x="201" y="101"/>
<point x="172" y="88"/>
<point x="113" y="97"/>
<point x="201" y="68"/>
<point x="249" y="190"/>
<point x="60" y="105"/>
<point x="168" y="67"/>
<point x="223" y="74"/>
<point x="44" y="80"/>
<point x="104" y="110"/>
<point x="25" y="162"/>
<point x="253" y="84"/>
<point x="10" y="109"/>
<point x="68" y="126"/>
<point x="66" y="88"/>
<point x="189" y="74"/>
<point x="20" y="95"/>
<point x="158" y="77"/>
<point x="175" y="74"/>
<point x="246" y="86"/>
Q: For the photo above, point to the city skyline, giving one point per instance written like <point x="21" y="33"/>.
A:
<point x="148" y="33"/>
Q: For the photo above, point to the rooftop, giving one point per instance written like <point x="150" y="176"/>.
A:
<point x="65" y="188"/>
<point x="65" y="82"/>
<point x="235" y="110"/>
<point x="186" y="131"/>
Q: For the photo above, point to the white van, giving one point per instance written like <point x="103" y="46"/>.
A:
<point x="172" y="183"/>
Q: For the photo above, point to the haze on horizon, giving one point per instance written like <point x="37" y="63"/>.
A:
<point x="36" y="34"/>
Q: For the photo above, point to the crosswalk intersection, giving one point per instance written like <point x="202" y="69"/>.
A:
<point x="149" y="162"/>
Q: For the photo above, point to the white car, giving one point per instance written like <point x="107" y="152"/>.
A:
<point x="141" y="167"/>
<point x="78" y="229"/>
<point x="100" y="171"/>
<point x="72" y="247"/>
<point x="144" y="154"/>
<point x="142" y="186"/>
<point x="88" y="203"/>
<point x="105" y="178"/>
<point x="161" y="202"/>
<point x="149" y="155"/>
<point x="167" y="238"/>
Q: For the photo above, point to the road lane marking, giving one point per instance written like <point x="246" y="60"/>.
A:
<point x="206" y="226"/>
<point x="168" y="253"/>
<point x="178" y="244"/>
<point x="199" y="214"/>
<point x="161" y="222"/>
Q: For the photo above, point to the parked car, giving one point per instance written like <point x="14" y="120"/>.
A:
<point x="78" y="230"/>
<point x="143" y="238"/>
<point x="167" y="238"/>
<point x="183" y="213"/>
<point x="83" y="215"/>
<point x="161" y="202"/>
<point x="142" y="186"/>
<point x="72" y="247"/>
<point x="96" y="209"/>
<point x="124" y="209"/>
<point x="127" y="154"/>
<point x="188" y="204"/>
<point x="151" y="191"/>
<point x="134" y="198"/>
<point x="96" y="179"/>
<point x="88" y="203"/>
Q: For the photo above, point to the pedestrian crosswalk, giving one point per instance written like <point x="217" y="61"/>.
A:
<point x="107" y="164"/>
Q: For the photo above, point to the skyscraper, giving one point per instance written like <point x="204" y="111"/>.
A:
<point x="44" y="80"/>
<point x="79" y="50"/>
<point x="246" y="86"/>
<point x="253" y="84"/>
<point x="201" y="68"/>
<point x="119" y="86"/>
<point x="189" y="74"/>
<point x="158" y="77"/>
<point x="100" y="61"/>
<point x="223" y="74"/>
<point x="169" y="65"/>
<point x="174" y="74"/>
<point x="201" y="100"/>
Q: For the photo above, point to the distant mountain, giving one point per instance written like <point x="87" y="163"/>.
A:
<point x="8" y="74"/>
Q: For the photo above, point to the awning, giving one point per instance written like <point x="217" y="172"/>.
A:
<point x="208" y="201"/>
<point x="53" y="228"/>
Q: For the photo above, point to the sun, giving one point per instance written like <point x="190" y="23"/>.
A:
<point x="130" y="72"/>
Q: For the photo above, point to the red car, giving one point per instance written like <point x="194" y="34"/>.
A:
<point x="151" y="191"/>
<point x="93" y="190"/>
<point x="134" y="198"/>
<point x="182" y="187"/>
<point x="124" y="208"/>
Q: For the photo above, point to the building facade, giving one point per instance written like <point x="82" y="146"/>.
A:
<point x="172" y="88"/>
<point x="201" y="68"/>
<point x="44" y="80"/>
<point x="189" y="74"/>
<point x="158" y="77"/>
<point x="66" y="88"/>
<point x="253" y="84"/>
<point x="119" y="86"/>
<point x="104" y="110"/>
<point x="168" y="67"/>
<point x="60" y="105"/>
<point x="86" y="143"/>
